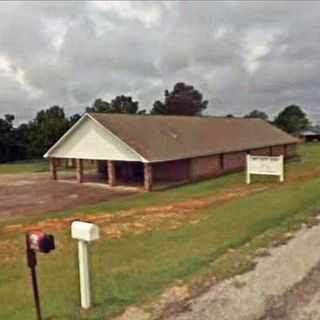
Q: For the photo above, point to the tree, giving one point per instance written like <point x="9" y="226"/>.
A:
<point x="6" y="138"/>
<point x="73" y="119"/>
<point x="292" y="119"/>
<point x="22" y="142"/>
<point x="125" y="104"/>
<point x="47" y="127"/>
<point x="120" y="104"/>
<point x="258" y="115"/>
<point x="184" y="99"/>
<point x="99" y="106"/>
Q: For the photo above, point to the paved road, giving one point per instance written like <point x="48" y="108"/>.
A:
<point x="302" y="302"/>
<point x="283" y="286"/>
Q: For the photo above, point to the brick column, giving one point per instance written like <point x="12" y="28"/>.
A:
<point x="79" y="165"/>
<point x="98" y="167"/>
<point x="285" y="151"/>
<point x="111" y="173"/>
<point x="148" y="177"/>
<point x="53" y="168"/>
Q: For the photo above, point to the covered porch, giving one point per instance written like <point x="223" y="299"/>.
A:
<point x="122" y="174"/>
<point x="128" y="174"/>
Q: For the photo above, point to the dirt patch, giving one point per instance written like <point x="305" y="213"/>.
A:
<point x="33" y="194"/>
<point x="138" y="221"/>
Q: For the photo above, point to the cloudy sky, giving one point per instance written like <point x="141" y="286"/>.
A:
<point x="241" y="55"/>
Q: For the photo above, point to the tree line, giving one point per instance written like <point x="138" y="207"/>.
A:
<point x="31" y="140"/>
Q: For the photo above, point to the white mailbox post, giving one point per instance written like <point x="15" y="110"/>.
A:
<point x="84" y="232"/>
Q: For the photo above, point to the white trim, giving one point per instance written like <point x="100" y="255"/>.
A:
<point x="116" y="137"/>
<point x="77" y="124"/>
<point x="47" y="154"/>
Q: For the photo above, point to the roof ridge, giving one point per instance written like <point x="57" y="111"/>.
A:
<point x="172" y="116"/>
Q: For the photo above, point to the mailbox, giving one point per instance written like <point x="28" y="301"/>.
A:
<point x="41" y="242"/>
<point x="37" y="241"/>
<point x="84" y="231"/>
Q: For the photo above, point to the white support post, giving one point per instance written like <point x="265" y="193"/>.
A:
<point x="248" y="180"/>
<point x="282" y="168"/>
<point x="84" y="275"/>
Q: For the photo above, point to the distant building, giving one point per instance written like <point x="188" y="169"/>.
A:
<point x="310" y="135"/>
<point x="154" y="151"/>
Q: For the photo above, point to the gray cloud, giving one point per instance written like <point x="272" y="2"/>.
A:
<point x="241" y="55"/>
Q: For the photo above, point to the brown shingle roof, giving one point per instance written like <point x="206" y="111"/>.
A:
<point x="162" y="138"/>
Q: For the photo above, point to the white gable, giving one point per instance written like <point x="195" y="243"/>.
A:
<point x="89" y="140"/>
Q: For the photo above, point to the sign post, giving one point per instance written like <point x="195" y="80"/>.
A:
<point x="37" y="242"/>
<point x="84" y="232"/>
<point x="263" y="165"/>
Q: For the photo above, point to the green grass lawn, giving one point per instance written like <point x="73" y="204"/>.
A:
<point x="136" y="268"/>
<point x="24" y="167"/>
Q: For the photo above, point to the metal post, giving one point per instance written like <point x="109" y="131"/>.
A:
<point x="32" y="262"/>
<point x="84" y="275"/>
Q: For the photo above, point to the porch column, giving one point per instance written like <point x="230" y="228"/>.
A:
<point x="79" y="165"/>
<point x="53" y="168"/>
<point x="111" y="173"/>
<point x="98" y="167"/>
<point x="148" y="176"/>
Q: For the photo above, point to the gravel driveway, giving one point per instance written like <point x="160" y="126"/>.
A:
<point x="35" y="193"/>
<point x="284" y="285"/>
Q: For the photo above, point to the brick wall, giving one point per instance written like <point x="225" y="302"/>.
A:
<point x="172" y="170"/>
<point x="278" y="150"/>
<point x="234" y="161"/>
<point x="291" y="150"/>
<point x="210" y="166"/>
<point x="205" y="166"/>
<point x="261" y="152"/>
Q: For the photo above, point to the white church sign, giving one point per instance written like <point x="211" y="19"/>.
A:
<point x="264" y="165"/>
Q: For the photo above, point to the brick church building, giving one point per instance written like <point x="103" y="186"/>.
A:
<point x="152" y="151"/>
